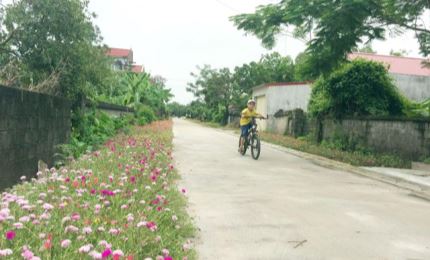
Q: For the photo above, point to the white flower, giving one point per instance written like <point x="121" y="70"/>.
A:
<point x="95" y="255"/>
<point x="85" y="249"/>
<point x="6" y="252"/>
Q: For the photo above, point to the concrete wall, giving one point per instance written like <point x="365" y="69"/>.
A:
<point x="416" y="88"/>
<point x="407" y="138"/>
<point x="31" y="125"/>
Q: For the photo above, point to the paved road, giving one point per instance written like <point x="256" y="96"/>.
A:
<point x="262" y="209"/>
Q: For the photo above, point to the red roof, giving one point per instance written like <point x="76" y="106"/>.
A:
<point x="282" y="84"/>
<point x="119" y="53"/>
<point x="397" y="65"/>
<point x="137" y="68"/>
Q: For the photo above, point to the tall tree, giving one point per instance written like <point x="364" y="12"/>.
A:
<point x="55" y="38"/>
<point x="337" y="26"/>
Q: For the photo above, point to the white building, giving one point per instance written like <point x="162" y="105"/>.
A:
<point x="411" y="77"/>
<point x="274" y="97"/>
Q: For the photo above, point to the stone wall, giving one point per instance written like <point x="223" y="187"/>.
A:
<point x="31" y="126"/>
<point x="407" y="138"/>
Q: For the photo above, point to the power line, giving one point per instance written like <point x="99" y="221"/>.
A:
<point x="227" y="6"/>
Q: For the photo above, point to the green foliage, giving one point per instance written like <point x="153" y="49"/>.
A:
<point x="94" y="128"/>
<point x="134" y="89"/>
<point x="222" y="91"/>
<point x="340" y="151"/>
<point x="336" y="27"/>
<point x="53" y="47"/>
<point x="359" y="88"/>
<point x="177" y="110"/>
<point x="419" y="109"/>
<point x="145" y="115"/>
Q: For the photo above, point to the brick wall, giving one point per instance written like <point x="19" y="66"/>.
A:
<point x="31" y="126"/>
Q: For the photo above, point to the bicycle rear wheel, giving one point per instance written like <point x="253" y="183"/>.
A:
<point x="242" y="150"/>
<point x="255" y="147"/>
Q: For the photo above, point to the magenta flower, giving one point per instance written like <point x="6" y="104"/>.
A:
<point x="10" y="235"/>
<point x="133" y="179"/>
<point x="106" y="253"/>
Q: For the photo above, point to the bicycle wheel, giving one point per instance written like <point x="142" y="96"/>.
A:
<point x="255" y="147"/>
<point x="242" y="151"/>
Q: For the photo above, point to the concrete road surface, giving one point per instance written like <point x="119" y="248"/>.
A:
<point x="285" y="207"/>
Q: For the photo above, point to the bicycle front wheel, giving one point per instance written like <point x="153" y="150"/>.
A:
<point x="255" y="147"/>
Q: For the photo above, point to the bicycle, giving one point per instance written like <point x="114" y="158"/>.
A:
<point x="252" y="140"/>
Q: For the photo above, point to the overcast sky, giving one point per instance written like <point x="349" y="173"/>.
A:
<point x="170" y="37"/>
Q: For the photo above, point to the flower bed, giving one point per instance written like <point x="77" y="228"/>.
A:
<point x="118" y="203"/>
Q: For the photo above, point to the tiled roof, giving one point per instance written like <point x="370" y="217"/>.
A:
<point x="119" y="53"/>
<point x="397" y="65"/>
<point x="137" y="68"/>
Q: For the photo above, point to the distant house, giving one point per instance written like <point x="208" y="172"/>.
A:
<point x="123" y="60"/>
<point x="275" y="97"/>
<point x="412" y="78"/>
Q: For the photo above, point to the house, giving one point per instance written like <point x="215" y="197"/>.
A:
<point x="123" y="60"/>
<point x="274" y="98"/>
<point x="409" y="74"/>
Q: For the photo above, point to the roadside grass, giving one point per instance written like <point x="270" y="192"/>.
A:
<point x="121" y="202"/>
<point x="356" y="158"/>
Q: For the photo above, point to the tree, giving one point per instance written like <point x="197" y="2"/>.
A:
<point x="55" y="39"/>
<point x="359" y="88"/>
<point x="399" y="53"/>
<point x="215" y="88"/>
<point x="367" y="48"/>
<point x="338" y="26"/>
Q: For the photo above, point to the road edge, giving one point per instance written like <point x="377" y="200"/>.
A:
<point x="416" y="189"/>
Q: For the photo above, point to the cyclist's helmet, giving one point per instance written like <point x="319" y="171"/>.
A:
<point x="251" y="101"/>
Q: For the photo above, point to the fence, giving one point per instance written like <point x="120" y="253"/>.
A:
<point x="31" y="126"/>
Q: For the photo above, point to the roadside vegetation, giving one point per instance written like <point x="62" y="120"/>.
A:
<point x="121" y="202"/>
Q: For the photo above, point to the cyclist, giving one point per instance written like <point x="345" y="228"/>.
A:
<point x="246" y="121"/>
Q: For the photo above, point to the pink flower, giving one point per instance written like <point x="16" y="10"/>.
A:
<point x="133" y="179"/>
<point x="85" y="248"/>
<point x="6" y="252"/>
<point x="18" y="225"/>
<point x="141" y="224"/>
<point x="168" y="258"/>
<point x="75" y="217"/>
<point x="165" y="252"/>
<point x="65" y="243"/>
<point x="10" y="235"/>
<point x="114" y="231"/>
<point x="151" y="226"/>
<point x="106" y="253"/>
<point x="87" y="230"/>
<point x="117" y="254"/>
<point x="105" y="244"/>
<point x="96" y="255"/>
<point x="184" y="191"/>
<point x="24" y="219"/>
<point x="47" y="207"/>
<point x="71" y="229"/>
<point x="28" y="255"/>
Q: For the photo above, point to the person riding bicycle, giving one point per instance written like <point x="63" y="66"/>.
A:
<point x="246" y="120"/>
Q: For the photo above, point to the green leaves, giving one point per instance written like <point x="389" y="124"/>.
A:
<point x="360" y="88"/>
<point x="55" y="39"/>
<point x="337" y="26"/>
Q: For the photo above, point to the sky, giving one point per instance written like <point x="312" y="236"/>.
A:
<point x="171" y="38"/>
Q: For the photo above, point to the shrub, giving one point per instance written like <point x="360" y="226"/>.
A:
<point x="359" y="88"/>
<point x="145" y="115"/>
